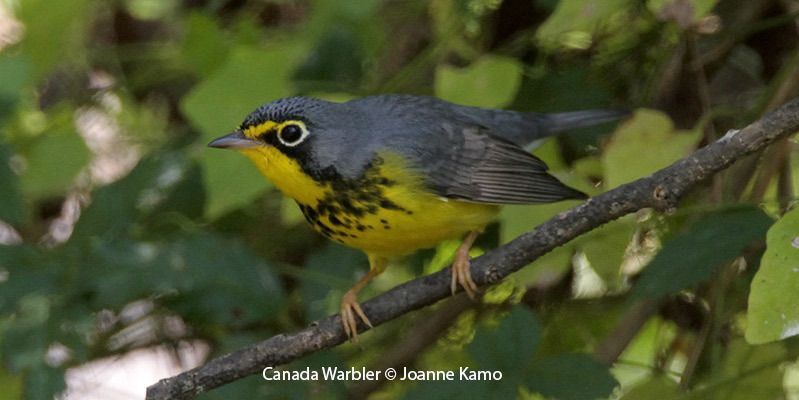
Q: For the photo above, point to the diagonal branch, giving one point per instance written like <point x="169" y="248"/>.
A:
<point x="660" y="191"/>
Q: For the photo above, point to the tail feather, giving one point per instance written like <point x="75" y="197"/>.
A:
<point x="564" y="121"/>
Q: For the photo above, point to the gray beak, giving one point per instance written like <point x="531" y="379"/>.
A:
<point x="235" y="140"/>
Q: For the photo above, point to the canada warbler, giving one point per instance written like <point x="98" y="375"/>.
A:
<point x="391" y="174"/>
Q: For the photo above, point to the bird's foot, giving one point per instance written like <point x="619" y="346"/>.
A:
<point x="461" y="273"/>
<point x="349" y="310"/>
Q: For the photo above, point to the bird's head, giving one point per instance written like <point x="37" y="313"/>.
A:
<point x="283" y="138"/>
<point x="286" y="125"/>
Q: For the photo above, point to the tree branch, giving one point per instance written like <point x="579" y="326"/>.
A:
<point x="660" y="191"/>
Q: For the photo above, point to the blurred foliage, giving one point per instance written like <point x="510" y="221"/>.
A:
<point x="120" y="231"/>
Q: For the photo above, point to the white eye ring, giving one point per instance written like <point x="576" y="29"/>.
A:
<point x="295" y="133"/>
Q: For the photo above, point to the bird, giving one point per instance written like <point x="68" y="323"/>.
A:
<point x="390" y="174"/>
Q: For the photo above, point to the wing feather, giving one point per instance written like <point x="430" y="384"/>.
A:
<point x="487" y="169"/>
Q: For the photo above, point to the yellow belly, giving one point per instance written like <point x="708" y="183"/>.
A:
<point x="426" y="221"/>
<point x="387" y="212"/>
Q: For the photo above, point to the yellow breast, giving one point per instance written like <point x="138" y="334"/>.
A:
<point x="387" y="212"/>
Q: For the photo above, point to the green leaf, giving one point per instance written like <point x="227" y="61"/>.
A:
<point x="570" y="377"/>
<point x="507" y="348"/>
<point x="12" y="204"/>
<point x="11" y="384"/>
<point x="150" y="186"/>
<point x="658" y="387"/>
<point x="510" y="345"/>
<point x="774" y="299"/>
<point x="336" y="62"/>
<point x="574" y="22"/>
<point x="459" y="390"/>
<point x="249" y="78"/>
<point x="205" y="46"/>
<point x="53" y="161"/>
<point x="605" y="247"/>
<point x="182" y="273"/>
<point x="649" y="133"/>
<point x="181" y="193"/>
<point x="44" y="382"/>
<point x="491" y="81"/>
<point x="545" y="92"/>
<point x="28" y="273"/>
<point x="746" y="372"/>
<point x="323" y="270"/>
<point x="695" y="9"/>
<point x="14" y="71"/>
<point x="692" y="256"/>
<point x="25" y="341"/>
<point x="247" y="292"/>
<point x="52" y="31"/>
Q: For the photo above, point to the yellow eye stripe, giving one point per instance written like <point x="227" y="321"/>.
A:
<point x="253" y="132"/>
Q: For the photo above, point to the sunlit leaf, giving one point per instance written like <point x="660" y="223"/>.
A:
<point x="11" y="384"/>
<point x="687" y="11"/>
<point x="52" y="29"/>
<point x="491" y="81"/>
<point x="774" y="299"/>
<point x="692" y="256"/>
<point x="658" y="387"/>
<point x="648" y="133"/>
<point x="574" y="22"/>
<point x="516" y="220"/>
<point x="605" y="247"/>
<point x="746" y="372"/>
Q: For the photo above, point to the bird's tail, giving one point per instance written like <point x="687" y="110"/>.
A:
<point x="564" y="121"/>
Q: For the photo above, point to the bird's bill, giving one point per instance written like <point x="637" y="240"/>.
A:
<point x="235" y="140"/>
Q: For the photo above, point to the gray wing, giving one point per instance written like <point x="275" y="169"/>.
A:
<point x="474" y="165"/>
<point x="463" y="152"/>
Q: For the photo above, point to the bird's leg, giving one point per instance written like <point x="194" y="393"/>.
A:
<point x="461" y="267"/>
<point x="349" y="302"/>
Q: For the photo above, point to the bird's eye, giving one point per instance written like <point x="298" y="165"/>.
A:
<point x="292" y="134"/>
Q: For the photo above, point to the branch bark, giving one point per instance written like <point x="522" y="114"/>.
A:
<point x="661" y="191"/>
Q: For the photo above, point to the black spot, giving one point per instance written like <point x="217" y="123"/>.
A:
<point x="389" y="205"/>
<point x="334" y="220"/>
<point x="349" y="200"/>
<point x="384" y="181"/>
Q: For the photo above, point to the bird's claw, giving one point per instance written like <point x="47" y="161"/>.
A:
<point x="462" y="275"/>
<point x="349" y="310"/>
